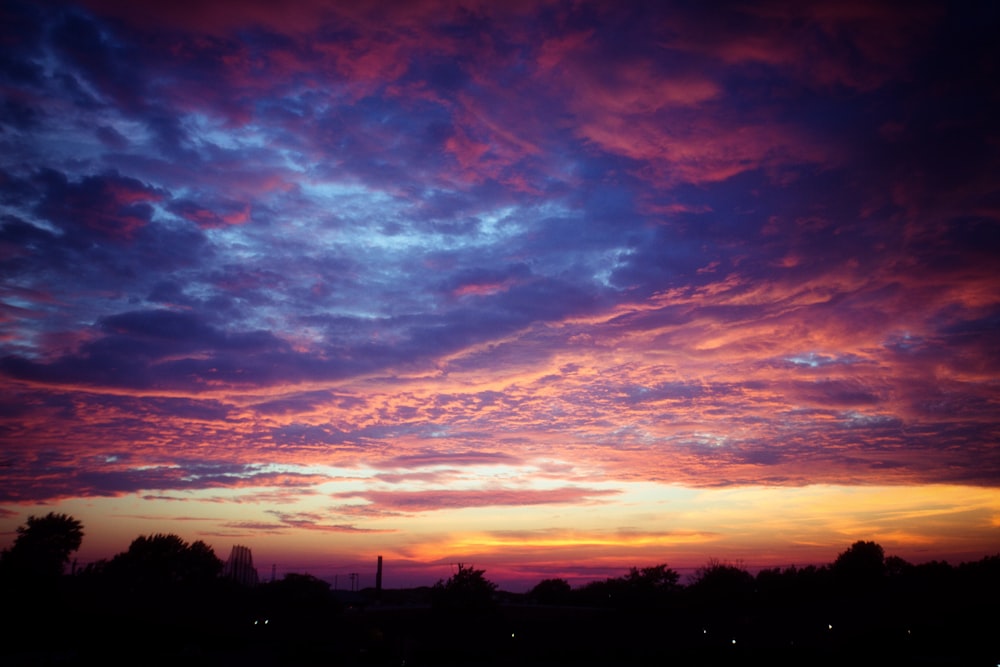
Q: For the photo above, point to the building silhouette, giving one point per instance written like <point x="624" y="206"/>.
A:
<point x="240" y="567"/>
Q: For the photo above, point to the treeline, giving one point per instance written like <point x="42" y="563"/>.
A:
<point x="164" y="600"/>
<point x="862" y="571"/>
<point x="862" y="608"/>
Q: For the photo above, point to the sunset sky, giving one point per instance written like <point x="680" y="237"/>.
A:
<point x="548" y="288"/>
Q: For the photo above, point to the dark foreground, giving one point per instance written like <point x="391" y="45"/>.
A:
<point x="77" y="624"/>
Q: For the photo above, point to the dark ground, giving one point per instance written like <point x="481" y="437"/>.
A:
<point x="245" y="628"/>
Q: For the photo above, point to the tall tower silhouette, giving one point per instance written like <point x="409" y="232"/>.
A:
<point x="378" y="580"/>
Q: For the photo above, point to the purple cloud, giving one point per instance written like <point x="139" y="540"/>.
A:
<point x="661" y="244"/>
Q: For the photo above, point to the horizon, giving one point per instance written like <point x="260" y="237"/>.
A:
<point x="509" y="581"/>
<point x="512" y="286"/>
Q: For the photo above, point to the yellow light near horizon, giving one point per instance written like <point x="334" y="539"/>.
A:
<point x="643" y="524"/>
<point x="486" y="541"/>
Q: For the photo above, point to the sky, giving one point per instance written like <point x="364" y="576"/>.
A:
<point x="552" y="289"/>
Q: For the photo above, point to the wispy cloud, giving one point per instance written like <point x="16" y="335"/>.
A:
<point x="424" y="257"/>
<point x="440" y="499"/>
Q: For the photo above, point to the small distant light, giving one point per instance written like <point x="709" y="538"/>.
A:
<point x="704" y="632"/>
<point x="512" y="635"/>
<point x="255" y="622"/>
<point x="266" y="621"/>
<point x="734" y="641"/>
<point x="829" y="626"/>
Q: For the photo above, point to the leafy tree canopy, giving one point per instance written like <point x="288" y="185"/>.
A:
<point x="164" y="560"/>
<point x="43" y="545"/>
<point x="551" y="591"/>
<point x="655" y="578"/>
<point x="863" y="563"/>
<point x="721" y="579"/>
<point x="467" y="589"/>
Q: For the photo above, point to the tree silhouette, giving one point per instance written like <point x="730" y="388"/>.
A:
<point x="468" y="589"/>
<point x="641" y="588"/>
<point x="723" y="588"/>
<point x="161" y="561"/>
<point x="647" y="586"/>
<point x="551" y="591"/>
<point x="43" y="546"/>
<point x="861" y="565"/>
<point x="723" y="578"/>
<point x="659" y="578"/>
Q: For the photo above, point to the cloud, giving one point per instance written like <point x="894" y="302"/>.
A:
<point x="313" y="521"/>
<point x="444" y="246"/>
<point x="462" y="459"/>
<point x="442" y="499"/>
<point x="221" y="214"/>
<point x="154" y="348"/>
<point x="561" y="538"/>
<point x="109" y="206"/>
<point x="108" y="65"/>
<point x="256" y="527"/>
<point x="50" y="475"/>
<point x="855" y="45"/>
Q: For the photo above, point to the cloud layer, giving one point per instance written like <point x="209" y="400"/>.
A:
<point x="474" y="256"/>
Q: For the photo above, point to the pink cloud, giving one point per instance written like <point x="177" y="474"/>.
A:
<point x="425" y="501"/>
<point x="859" y="45"/>
<point x="678" y="121"/>
<point x="110" y="206"/>
<point x="313" y="521"/>
<point x="464" y="458"/>
<point x="208" y="218"/>
<point x="481" y="289"/>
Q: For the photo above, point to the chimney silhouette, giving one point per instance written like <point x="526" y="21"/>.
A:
<point x="378" y="579"/>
